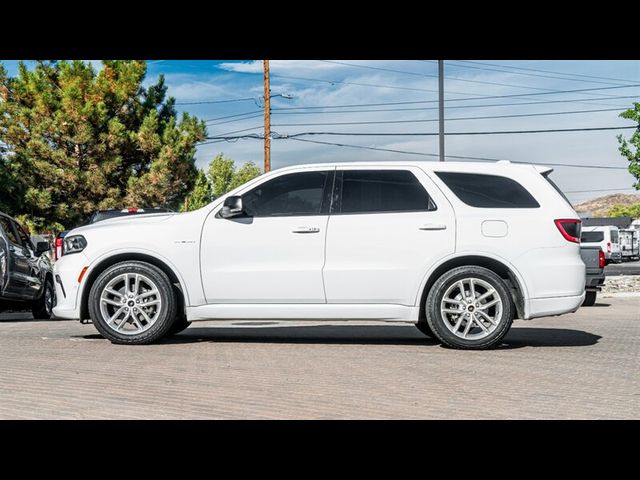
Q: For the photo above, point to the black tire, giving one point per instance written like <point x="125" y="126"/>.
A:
<point x="589" y="299"/>
<point x="42" y="308"/>
<point x="161" y="325"/>
<point x="423" y="326"/>
<point x="180" y="324"/>
<point x="437" y="323"/>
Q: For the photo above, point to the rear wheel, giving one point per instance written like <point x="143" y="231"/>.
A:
<point x="132" y="303"/>
<point x="43" y="307"/>
<point x="469" y="308"/>
<point x="589" y="299"/>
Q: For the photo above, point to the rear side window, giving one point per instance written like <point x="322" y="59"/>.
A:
<point x="614" y="236"/>
<point x="488" y="191"/>
<point x="375" y="191"/>
<point x="592" y="237"/>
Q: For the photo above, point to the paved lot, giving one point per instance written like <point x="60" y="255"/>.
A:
<point x="583" y="365"/>
<point x="624" y="268"/>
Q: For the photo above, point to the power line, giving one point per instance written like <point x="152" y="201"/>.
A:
<point x="484" y="159"/>
<point x="256" y="115"/>
<point x="427" y="75"/>
<point x="281" y="110"/>
<point x="545" y="71"/>
<point x="333" y="82"/>
<point x="230" y="116"/>
<point x="217" y="101"/>
<point x="430" y="134"/>
<point x="599" y="190"/>
<point x="449" y="119"/>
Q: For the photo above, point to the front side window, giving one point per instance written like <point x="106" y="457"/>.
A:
<point x="488" y="191"/>
<point x="302" y="193"/>
<point x="23" y="238"/>
<point x="7" y="227"/>
<point x="379" y="191"/>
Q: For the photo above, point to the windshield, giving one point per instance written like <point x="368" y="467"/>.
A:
<point x="592" y="237"/>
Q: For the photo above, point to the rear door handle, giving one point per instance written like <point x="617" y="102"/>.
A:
<point x="305" y="230"/>
<point x="433" y="226"/>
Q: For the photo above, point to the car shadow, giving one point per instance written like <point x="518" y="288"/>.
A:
<point x="518" y="337"/>
<point x="599" y="305"/>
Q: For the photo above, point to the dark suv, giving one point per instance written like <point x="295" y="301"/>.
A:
<point x="26" y="276"/>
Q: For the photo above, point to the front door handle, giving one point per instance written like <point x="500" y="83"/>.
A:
<point x="305" y="230"/>
<point x="433" y="226"/>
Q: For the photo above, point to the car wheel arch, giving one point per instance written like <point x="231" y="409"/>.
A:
<point x="499" y="266"/>
<point x="104" y="263"/>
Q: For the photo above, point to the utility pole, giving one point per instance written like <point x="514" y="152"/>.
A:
<point x="267" y="118"/>
<point x="441" y="107"/>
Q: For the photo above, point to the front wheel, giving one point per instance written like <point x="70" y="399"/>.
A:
<point x="469" y="308"/>
<point x="132" y="303"/>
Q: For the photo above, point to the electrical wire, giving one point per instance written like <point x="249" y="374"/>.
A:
<point x="217" y="101"/>
<point x="447" y="77"/>
<point x="599" y="190"/>
<point x="450" y="119"/>
<point x="281" y="110"/>
<point x="543" y="71"/>
<point x="434" y="134"/>
<point x="485" y="159"/>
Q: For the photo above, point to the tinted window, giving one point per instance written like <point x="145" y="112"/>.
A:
<point x="614" y="236"/>
<point x="23" y="238"/>
<point x="7" y="227"/>
<point x="295" y="194"/>
<point x="592" y="237"/>
<point x="365" y="191"/>
<point x="488" y="191"/>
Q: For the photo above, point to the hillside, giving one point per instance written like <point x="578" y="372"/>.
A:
<point x="598" y="207"/>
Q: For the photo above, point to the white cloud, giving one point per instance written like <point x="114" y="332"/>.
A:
<point x="234" y="79"/>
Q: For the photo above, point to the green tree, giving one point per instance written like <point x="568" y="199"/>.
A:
<point x="200" y="195"/>
<point x="246" y="172"/>
<point x="221" y="177"/>
<point x="631" y="148"/>
<point x="224" y="176"/>
<point x="220" y="172"/>
<point x="76" y="140"/>
<point x="620" y="210"/>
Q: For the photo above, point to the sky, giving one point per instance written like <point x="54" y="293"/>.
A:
<point x="526" y="87"/>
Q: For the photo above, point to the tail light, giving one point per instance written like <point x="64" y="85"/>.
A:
<point x="569" y="228"/>
<point x="608" y="247"/>
<point x="601" y="260"/>
<point x="58" y="249"/>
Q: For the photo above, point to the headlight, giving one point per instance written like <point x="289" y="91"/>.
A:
<point x="74" y="244"/>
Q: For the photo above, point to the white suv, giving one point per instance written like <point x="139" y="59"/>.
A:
<point x="460" y="249"/>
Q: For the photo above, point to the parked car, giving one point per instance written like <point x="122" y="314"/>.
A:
<point x="26" y="274"/>
<point x="629" y="245"/>
<point x="594" y="260"/>
<point x="607" y="238"/>
<point x="104" y="215"/>
<point x="460" y="248"/>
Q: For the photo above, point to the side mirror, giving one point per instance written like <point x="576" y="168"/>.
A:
<point x="232" y="207"/>
<point x="42" y="247"/>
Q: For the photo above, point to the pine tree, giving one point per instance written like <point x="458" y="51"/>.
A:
<point x="76" y="140"/>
